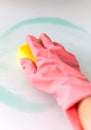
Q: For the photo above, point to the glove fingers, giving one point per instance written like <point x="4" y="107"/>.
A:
<point x="58" y="45"/>
<point x="28" y="66"/>
<point x="46" y="41"/>
<point x="35" y="46"/>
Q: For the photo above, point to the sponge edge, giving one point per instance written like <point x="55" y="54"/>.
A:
<point x="24" y="51"/>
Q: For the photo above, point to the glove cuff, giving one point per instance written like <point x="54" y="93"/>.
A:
<point x="69" y="92"/>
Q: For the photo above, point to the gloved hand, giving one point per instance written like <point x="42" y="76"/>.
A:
<point x="57" y="72"/>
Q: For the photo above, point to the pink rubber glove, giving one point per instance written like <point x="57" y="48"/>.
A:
<point x="57" y="72"/>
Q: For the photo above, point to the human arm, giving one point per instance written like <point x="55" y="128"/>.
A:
<point x="57" y="72"/>
<point x="84" y="112"/>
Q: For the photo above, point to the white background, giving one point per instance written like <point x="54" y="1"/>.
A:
<point x="76" y="11"/>
<point x="14" y="11"/>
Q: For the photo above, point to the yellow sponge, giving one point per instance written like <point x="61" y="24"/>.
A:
<point x="24" y="51"/>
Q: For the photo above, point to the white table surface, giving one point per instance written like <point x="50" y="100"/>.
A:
<point x="32" y="109"/>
